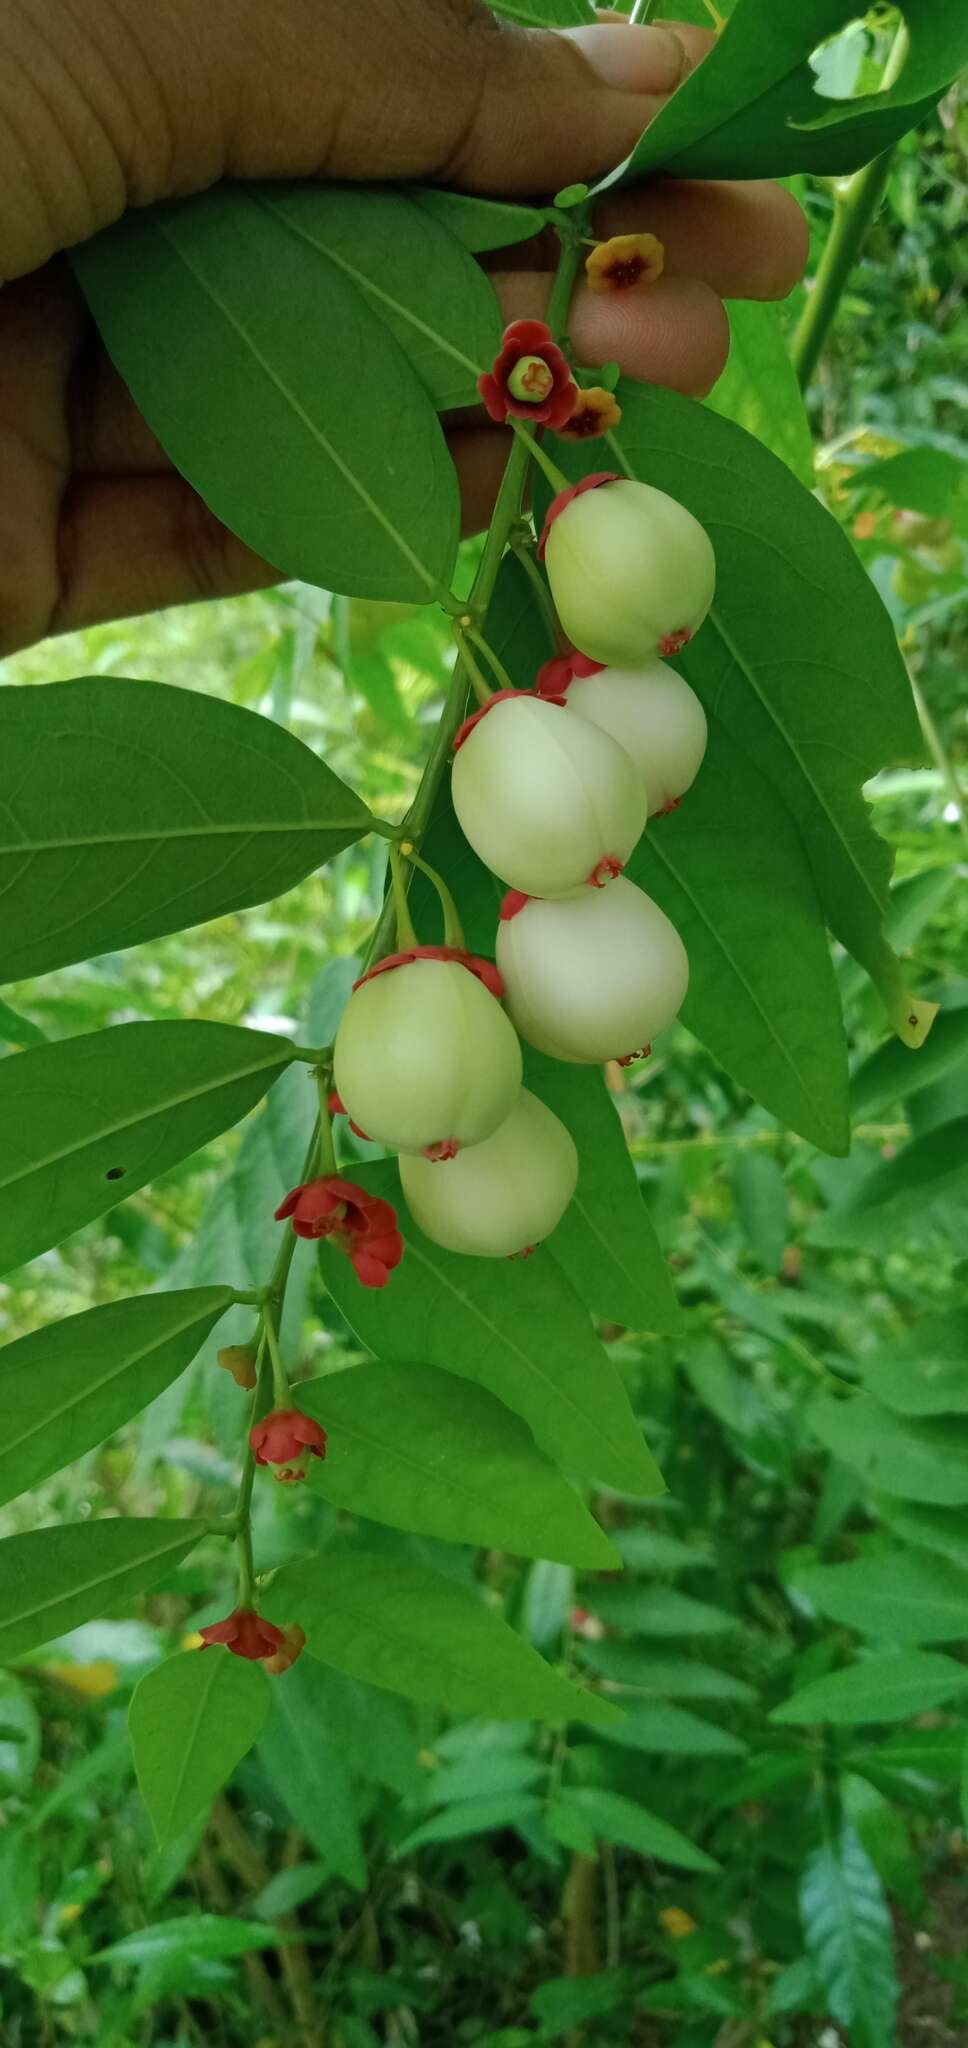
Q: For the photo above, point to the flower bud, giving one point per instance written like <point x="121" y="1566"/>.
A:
<point x="501" y="1197"/>
<point x="425" y="1058"/>
<point x="655" y="716"/>
<point x="594" y="977"/>
<point x="548" y="801"/>
<point x="632" y="573"/>
<point x="241" y="1361"/>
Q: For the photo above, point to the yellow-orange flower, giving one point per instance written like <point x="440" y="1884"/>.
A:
<point x="677" y="1923"/>
<point x="240" y="1361"/>
<point x="595" y="414"/>
<point x="624" y="263"/>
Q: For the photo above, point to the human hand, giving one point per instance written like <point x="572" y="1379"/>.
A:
<point x="109" y="104"/>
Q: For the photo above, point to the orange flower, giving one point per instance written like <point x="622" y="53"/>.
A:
<point x="595" y="414"/>
<point x="240" y="1361"/>
<point x="624" y="263"/>
<point x="285" y="1656"/>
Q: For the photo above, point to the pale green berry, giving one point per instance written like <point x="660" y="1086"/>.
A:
<point x="425" y="1058"/>
<point x="547" y="800"/>
<point x="655" y="716"/>
<point x="503" y="1196"/>
<point x="632" y="573"/>
<point x="593" y="977"/>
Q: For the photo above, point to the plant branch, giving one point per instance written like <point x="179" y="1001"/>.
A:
<point x="855" y="205"/>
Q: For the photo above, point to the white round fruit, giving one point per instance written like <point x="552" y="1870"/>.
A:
<point x="426" y="1058"/>
<point x="503" y="1196"/>
<point x="632" y="573"/>
<point x="655" y="716"/>
<point x="548" y="801"/>
<point x="595" y="977"/>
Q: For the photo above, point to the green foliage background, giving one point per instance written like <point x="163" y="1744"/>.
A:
<point x="750" y="1854"/>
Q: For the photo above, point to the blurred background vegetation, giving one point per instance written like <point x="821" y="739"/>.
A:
<point x="466" y="1922"/>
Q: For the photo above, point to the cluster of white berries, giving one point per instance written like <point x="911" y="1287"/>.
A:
<point x="553" y="793"/>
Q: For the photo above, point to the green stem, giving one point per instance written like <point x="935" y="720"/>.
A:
<point x="556" y="477"/>
<point x="477" y="639"/>
<point x="482" y="689"/>
<point x="942" y="758"/>
<point x="406" y="935"/>
<point x="243" y="1508"/>
<point x="855" y="206"/>
<point x="507" y="513"/>
<point x="325" y="1151"/>
<point x="280" y="1377"/>
<point x="524" y="550"/>
<point x="642" y="12"/>
<point x="453" y="929"/>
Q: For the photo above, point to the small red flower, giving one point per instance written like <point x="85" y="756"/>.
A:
<point x="245" y="1633"/>
<point x="554" y="676"/>
<point x="485" y="970"/>
<point x="596" y="413"/>
<point x="557" y="505"/>
<point x="529" y="378"/>
<point x="287" y="1440"/>
<point x="362" y="1225"/>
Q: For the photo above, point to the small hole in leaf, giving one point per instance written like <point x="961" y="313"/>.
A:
<point x="116" y="1173"/>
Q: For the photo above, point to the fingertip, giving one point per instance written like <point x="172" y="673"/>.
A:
<point x="675" y="334"/>
<point x="632" y="59"/>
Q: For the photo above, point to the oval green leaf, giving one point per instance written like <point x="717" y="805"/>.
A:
<point x="52" y="1580"/>
<point x="422" y="1450"/>
<point x="130" y="809"/>
<point x="91" y="1119"/>
<point x="191" y="1720"/>
<point x="66" y="1388"/>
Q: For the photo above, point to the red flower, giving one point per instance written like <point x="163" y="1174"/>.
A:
<point x="485" y="970"/>
<point x="588" y="483"/>
<point x="287" y="1440"/>
<point x="363" y="1226"/>
<point x="530" y="378"/>
<point x="595" y="414"/>
<point x="244" y="1633"/>
<point x="554" y="677"/>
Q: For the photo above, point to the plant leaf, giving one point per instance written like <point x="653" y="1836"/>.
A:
<point x="424" y="1451"/>
<point x="923" y="1372"/>
<point x="396" y="1624"/>
<point x="219" y="343"/>
<point x="663" y="1730"/>
<point x="891" y="1075"/>
<point x="811" y="687"/>
<point x="414" y="274"/>
<point x="517" y="1329"/>
<point x="91" y="1119"/>
<point x="130" y="809"/>
<point x="730" y="871"/>
<point x="759" y="390"/>
<point x="751" y="109"/>
<point x="196" y="1937"/>
<point x="899" y="1598"/>
<point x="308" y="1769"/>
<point x="480" y="224"/>
<point x="660" y="1611"/>
<point x="191" y="1720"/>
<point x="472" y="1817"/>
<point x="52" y="1580"/>
<point x="847" y="1925"/>
<point x="66" y="1388"/>
<point x="920" y="1460"/>
<point x="881" y="1688"/>
<point x="613" y="1818"/>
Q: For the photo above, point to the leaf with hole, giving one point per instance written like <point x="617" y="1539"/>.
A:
<point x="71" y="1385"/>
<point x="89" y="1120"/>
<point x="131" y="809"/>
<point x="191" y="1720"/>
<point x="422" y="1450"/>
